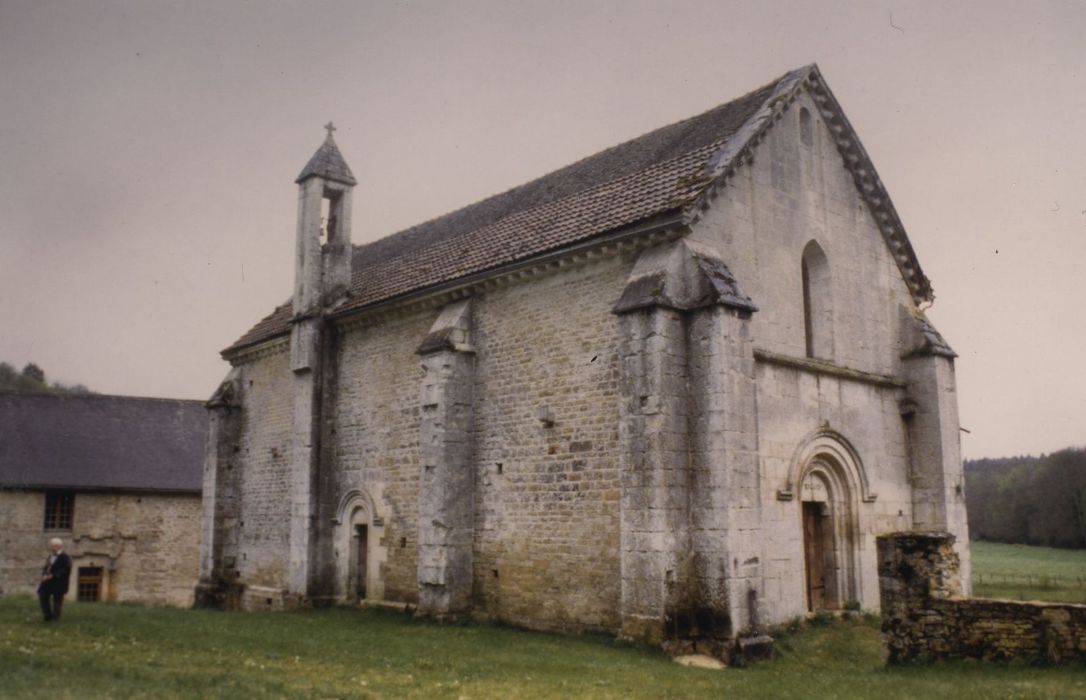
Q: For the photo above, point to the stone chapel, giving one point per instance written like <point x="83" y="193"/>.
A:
<point x="672" y="391"/>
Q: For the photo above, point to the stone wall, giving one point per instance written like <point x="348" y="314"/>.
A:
<point x="375" y="448"/>
<point x="546" y="449"/>
<point x="545" y="551"/>
<point x="146" y="544"/>
<point x="792" y="193"/>
<point x="262" y="522"/>
<point x="925" y="618"/>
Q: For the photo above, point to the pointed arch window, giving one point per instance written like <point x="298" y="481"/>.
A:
<point x="817" y="302"/>
<point x="806" y="128"/>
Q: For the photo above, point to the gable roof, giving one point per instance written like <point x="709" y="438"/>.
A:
<point x="96" y="442"/>
<point x="670" y="172"/>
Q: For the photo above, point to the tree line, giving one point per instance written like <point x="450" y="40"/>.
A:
<point x="1028" y="500"/>
<point x="31" y="380"/>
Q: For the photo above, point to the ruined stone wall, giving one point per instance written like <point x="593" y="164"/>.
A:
<point x="925" y="618"/>
<point x="790" y="194"/>
<point x="146" y="544"/>
<point x="263" y="525"/>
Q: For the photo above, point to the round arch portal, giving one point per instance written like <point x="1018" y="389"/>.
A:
<point x="828" y="482"/>
<point x="358" y="549"/>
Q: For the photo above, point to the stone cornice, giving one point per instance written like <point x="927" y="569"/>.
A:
<point x="870" y="187"/>
<point x="252" y="353"/>
<point x="828" y="368"/>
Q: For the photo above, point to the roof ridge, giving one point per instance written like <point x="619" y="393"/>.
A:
<point x="565" y="198"/>
<point x="580" y="161"/>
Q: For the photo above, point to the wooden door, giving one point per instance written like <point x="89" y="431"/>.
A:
<point x="361" y="544"/>
<point x="813" y="554"/>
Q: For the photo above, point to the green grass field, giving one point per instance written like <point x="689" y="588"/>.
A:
<point x="1021" y="572"/>
<point x="104" y="650"/>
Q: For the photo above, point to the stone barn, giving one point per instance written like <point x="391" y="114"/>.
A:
<point x="671" y="391"/>
<point x="117" y="478"/>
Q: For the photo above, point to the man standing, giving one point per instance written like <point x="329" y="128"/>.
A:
<point x="54" y="580"/>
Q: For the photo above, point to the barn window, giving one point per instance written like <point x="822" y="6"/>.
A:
<point x="817" y="302"/>
<point x="806" y="128"/>
<point x="89" y="584"/>
<point x="59" y="506"/>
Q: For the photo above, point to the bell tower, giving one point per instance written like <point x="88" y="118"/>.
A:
<point x="322" y="279"/>
<point x="322" y="272"/>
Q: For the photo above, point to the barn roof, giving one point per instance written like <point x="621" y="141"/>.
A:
<point x="94" y="442"/>
<point x="667" y="171"/>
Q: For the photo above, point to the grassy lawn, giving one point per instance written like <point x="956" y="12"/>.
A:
<point x="104" y="650"/>
<point x="1021" y="572"/>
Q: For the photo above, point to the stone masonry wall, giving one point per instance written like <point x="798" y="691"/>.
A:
<point x="146" y="544"/>
<point x="546" y="449"/>
<point x="376" y="441"/>
<point x="263" y="525"/>
<point x="546" y="501"/>
<point x="792" y="404"/>
<point x="925" y="618"/>
<point x="790" y="194"/>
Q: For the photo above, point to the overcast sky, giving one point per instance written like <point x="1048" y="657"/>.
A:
<point x="148" y="152"/>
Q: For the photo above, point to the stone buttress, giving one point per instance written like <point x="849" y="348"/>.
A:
<point x="446" y="481"/>
<point x="930" y="411"/>
<point x="690" y="506"/>
<point x="221" y="499"/>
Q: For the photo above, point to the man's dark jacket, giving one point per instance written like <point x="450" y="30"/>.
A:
<point x="61" y="569"/>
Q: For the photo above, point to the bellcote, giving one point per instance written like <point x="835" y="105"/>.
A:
<point x="328" y="163"/>
<point x="322" y="276"/>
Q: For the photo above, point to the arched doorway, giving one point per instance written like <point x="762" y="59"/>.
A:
<point x="828" y="481"/>
<point x="359" y="549"/>
<point x="826" y="538"/>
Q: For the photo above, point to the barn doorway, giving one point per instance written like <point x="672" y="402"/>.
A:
<point x="827" y="555"/>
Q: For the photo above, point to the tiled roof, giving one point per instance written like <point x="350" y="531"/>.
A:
<point x="668" y="170"/>
<point x="101" y="442"/>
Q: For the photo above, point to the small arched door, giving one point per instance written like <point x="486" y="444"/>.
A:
<point x="357" y="569"/>
<point x="827" y="537"/>
<point x="359" y="551"/>
<point x="818" y="554"/>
